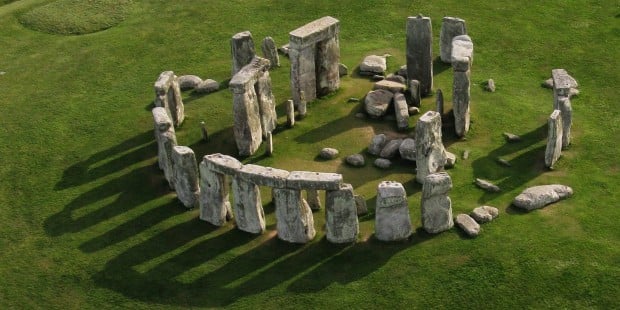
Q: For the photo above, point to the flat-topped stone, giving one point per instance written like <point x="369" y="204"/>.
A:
<point x="395" y="87"/>
<point x="314" y="180"/>
<point x="462" y="53"/>
<point x="450" y="28"/>
<point x="468" y="225"/>
<point x="242" y="50"/>
<point x="373" y="64"/>
<point x="314" y="31"/>
<point x="392" y="221"/>
<point x="264" y="176"/>
<point x="161" y="119"/>
<point x="222" y="163"/>
<point x="249" y="74"/>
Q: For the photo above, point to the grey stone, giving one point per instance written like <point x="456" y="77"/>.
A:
<point x="168" y="96"/>
<point x="328" y="153"/>
<point x="537" y="197"/>
<point x="313" y="180"/>
<point x="402" y="111"/>
<point x="510" y="137"/>
<point x="294" y="220"/>
<point x="460" y="102"/>
<point x="377" y="102"/>
<point x="263" y="176"/>
<point x="377" y="143"/>
<point x="313" y="199"/>
<point x="566" y="111"/>
<point x="223" y="164"/>
<point x="242" y="50"/>
<point x="402" y="71"/>
<point x="487" y="186"/>
<point x="490" y="86"/>
<point x="430" y="152"/>
<point x="450" y="28"/>
<point x="396" y="78"/>
<point x="382" y="163"/>
<point x="407" y="149"/>
<point x="573" y="92"/>
<point x="450" y="160"/>
<point x="284" y="49"/>
<point x="392" y="222"/>
<point x="468" y="225"/>
<point x="341" y="224"/>
<point x="247" y="206"/>
<point x="269" y="147"/>
<point x="343" y="70"/>
<point x="360" y="115"/>
<point x="548" y="83"/>
<point x="413" y="110"/>
<point x="185" y="176"/>
<point x="390" y="150"/>
<point x="436" y="205"/>
<point x="377" y="77"/>
<point x="246" y="122"/>
<point x="394" y="87"/>
<point x="270" y="52"/>
<point x="214" y="196"/>
<point x="414" y="92"/>
<point x="420" y="52"/>
<point x="353" y="99"/>
<point x="372" y="65"/>
<point x="465" y="154"/>
<point x="189" y="81"/>
<point x="266" y="104"/>
<point x="562" y="84"/>
<point x="207" y="86"/>
<point x="355" y="160"/>
<point x="439" y="102"/>
<point x="462" y="53"/>
<point x="554" y="139"/>
<point x="162" y="124"/>
<point x="503" y="162"/>
<point x="481" y="215"/>
<point x="290" y="113"/>
<point x="360" y="205"/>
<point x="167" y="141"/>
<point x="494" y="212"/>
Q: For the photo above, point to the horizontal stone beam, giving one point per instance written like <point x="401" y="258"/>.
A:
<point x="462" y="53"/>
<point x="313" y="32"/>
<point x="562" y="80"/>
<point x="248" y="75"/>
<point x="264" y="176"/>
<point x="222" y="163"/>
<point x="313" y="180"/>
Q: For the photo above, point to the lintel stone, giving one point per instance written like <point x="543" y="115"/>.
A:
<point x="313" y="32"/>
<point x="314" y="180"/>
<point x="264" y="176"/>
<point x="222" y="163"/>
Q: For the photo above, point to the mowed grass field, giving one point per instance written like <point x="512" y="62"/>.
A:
<point x="87" y="220"/>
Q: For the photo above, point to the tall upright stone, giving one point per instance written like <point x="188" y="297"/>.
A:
<point x="450" y="28"/>
<point x="267" y="103"/>
<point x="462" y="58"/>
<point x="313" y="199"/>
<point x="242" y="50"/>
<point x="402" y="111"/>
<point x="392" y="220"/>
<point x="294" y="220"/>
<point x="290" y="113"/>
<point x="554" y="139"/>
<point x="215" y="205"/>
<point x="436" y="205"/>
<point x="420" y="52"/>
<point x="168" y="96"/>
<point x="168" y="141"/>
<point x="414" y="92"/>
<point x="430" y="152"/>
<point x="162" y="124"/>
<point x="270" y="51"/>
<point x="439" y="102"/>
<point x="566" y="109"/>
<point x="185" y="176"/>
<point x="247" y="206"/>
<point x="341" y="223"/>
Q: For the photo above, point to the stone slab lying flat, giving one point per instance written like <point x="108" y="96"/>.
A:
<point x="314" y="180"/>
<point x="264" y="176"/>
<point x="392" y="86"/>
<point x="222" y="163"/>
<point x="539" y="196"/>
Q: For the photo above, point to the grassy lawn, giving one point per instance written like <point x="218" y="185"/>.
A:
<point x="88" y="221"/>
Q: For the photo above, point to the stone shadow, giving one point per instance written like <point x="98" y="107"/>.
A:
<point x="439" y="66"/>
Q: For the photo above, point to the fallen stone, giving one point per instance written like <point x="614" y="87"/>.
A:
<point x="343" y="70"/>
<point x="402" y="71"/>
<point x="353" y="99"/>
<point x="468" y="225"/>
<point x="203" y="131"/>
<point x="373" y="64"/>
<point x="413" y="111"/>
<point x="573" y="92"/>
<point x="314" y="180"/>
<point x="328" y="153"/>
<point x="341" y="224"/>
<point x="270" y="52"/>
<point x="503" y="162"/>
<point x="490" y="86"/>
<point x="392" y="222"/>
<point x="487" y="185"/>
<point x="481" y="215"/>
<point x="548" y="83"/>
<point x="392" y="86"/>
<point x="214" y="196"/>
<point x="207" y="86"/>
<point x="360" y="205"/>
<point x="511" y="137"/>
<point x="377" y="77"/>
<point x="407" y="149"/>
<point x="189" y="81"/>
<point x="377" y="102"/>
<point x="492" y="210"/>
<point x="466" y="154"/>
<point x="436" y="205"/>
<point x="382" y="163"/>
<point x="539" y="196"/>
<point x="450" y="160"/>
<point x="396" y="78"/>
<point x="377" y="143"/>
<point x="390" y="149"/>
<point x="355" y="160"/>
<point x="554" y="139"/>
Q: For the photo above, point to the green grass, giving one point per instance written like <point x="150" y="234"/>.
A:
<point x="68" y="17"/>
<point x="87" y="220"/>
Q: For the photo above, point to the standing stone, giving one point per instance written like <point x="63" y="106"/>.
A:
<point x="414" y="92"/>
<point x="341" y="224"/>
<point x="436" y="205"/>
<point x="267" y="104"/>
<point x="392" y="220"/>
<point x="430" y="152"/>
<point x="294" y="219"/>
<point x="462" y="53"/>
<point x="185" y="176"/>
<point x="439" y="102"/>
<point x="214" y="196"/>
<point x="420" y="52"/>
<point x="168" y="96"/>
<point x="290" y="113"/>
<point x="450" y="28"/>
<point x="168" y="141"/>
<point x="490" y="86"/>
<point x="247" y="206"/>
<point x="402" y="111"/>
<point x="360" y="205"/>
<point x="462" y="58"/>
<point x="562" y="84"/>
<point x="313" y="199"/>
<point x="377" y="143"/>
<point x="343" y="70"/>
<point x="162" y="124"/>
<point x="242" y="50"/>
<point x="566" y="109"/>
<point x="203" y="131"/>
<point x="269" y="149"/>
<point x="554" y="139"/>
<point x="270" y="52"/>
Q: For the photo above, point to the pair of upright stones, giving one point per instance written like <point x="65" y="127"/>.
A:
<point x="168" y="96"/>
<point x="392" y="221"/>
<point x="455" y="48"/>
<point x="294" y="218"/>
<point x="561" y="119"/>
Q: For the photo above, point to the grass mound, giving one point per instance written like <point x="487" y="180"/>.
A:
<point x="73" y="17"/>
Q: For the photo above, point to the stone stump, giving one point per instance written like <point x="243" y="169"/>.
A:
<point x="450" y="28"/>
<point x="267" y="104"/>
<point x="436" y="205"/>
<point x="566" y="109"/>
<point x="430" y="152"/>
<point x="294" y="219"/>
<point x="290" y="113"/>
<point x="402" y="111"/>
<point x="168" y="96"/>
<point x="341" y="223"/>
<point x="242" y="50"/>
<point x="185" y="176"/>
<point x="554" y="139"/>
<point x="420" y="52"/>
<point x="247" y="206"/>
<point x="414" y="92"/>
<point x="270" y="52"/>
<point x="439" y="102"/>
<point x="392" y="220"/>
<point x="562" y="84"/>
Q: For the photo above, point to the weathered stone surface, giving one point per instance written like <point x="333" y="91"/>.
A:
<point x="355" y="160"/>
<point x="360" y="205"/>
<point x="439" y="102"/>
<point x="328" y="153"/>
<point x="284" y="49"/>
<point x="167" y="141"/>
<point x="396" y="78"/>
<point x="460" y="102"/>
<point x="377" y="143"/>
<point x="313" y="199"/>
<point x="554" y="139"/>
<point x="491" y="210"/>
<point x="382" y="163"/>
<point x="487" y="186"/>
<point x="468" y="225"/>
<point x="420" y="52"/>
<point x="242" y="49"/>
<point x="481" y="215"/>
<point x="377" y="102"/>
<point x="294" y="220"/>
<point x="189" y="81"/>
<point x="450" y="28"/>
<point x="223" y="164"/>
<point x="207" y="86"/>
<point x="407" y="149"/>
<point x="503" y="162"/>
<point x="247" y="206"/>
<point x="168" y="96"/>
<point x="548" y="83"/>
<point x="313" y="180"/>
<point x="392" y="220"/>
<point x="566" y="111"/>
<point x="372" y="65"/>
<point x="539" y="196"/>
<point x="290" y="113"/>
<point x="263" y="176"/>
<point x="402" y="111"/>
<point x="510" y="137"/>
<point x="392" y="86"/>
<point x="377" y="77"/>
<point x="436" y="205"/>
<point x="402" y="71"/>
<point x="562" y="83"/>
<point x="353" y="99"/>
<point x="185" y="176"/>
<point x="450" y="160"/>
<point x="462" y="53"/>
<point x="214" y="196"/>
<point x="266" y="104"/>
<point x="162" y="124"/>
<point x="360" y="115"/>
<point x="341" y="224"/>
<point x="203" y="131"/>
<point x="414" y="111"/>
<point x="430" y="152"/>
<point x="270" y="52"/>
<point x="490" y="86"/>
<point x="343" y="70"/>
<point x="391" y="149"/>
<point x="573" y="92"/>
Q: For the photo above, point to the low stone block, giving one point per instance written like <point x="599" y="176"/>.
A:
<point x="372" y="65"/>
<point x="392" y="222"/>
<point x="377" y="102"/>
<point x="377" y="143"/>
<point x="392" y="86"/>
<point x="407" y="149"/>
<point x="341" y="224"/>
<point x="390" y="150"/>
<point x="537" y="197"/>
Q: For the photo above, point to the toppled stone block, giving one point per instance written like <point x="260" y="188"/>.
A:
<point x="392" y="222"/>
<point x="207" y="86"/>
<point x="468" y="225"/>
<point x="341" y="224"/>
<point x="487" y="185"/>
<point x="396" y="78"/>
<point x="402" y="111"/>
<point x="510" y="137"/>
<point x="343" y="70"/>
<point x="450" y="27"/>
<point x="430" y="152"/>
<point x="420" y="52"/>
<point x="554" y="139"/>
<point x="372" y="65"/>
<point x="294" y="220"/>
<point x="390" y="149"/>
<point x="355" y="160"/>
<point x="537" y="197"/>
<point x="377" y="143"/>
<point x="263" y="176"/>
<point x="223" y="164"/>
<point x="490" y="86"/>
<point x="491" y="210"/>
<point x="185" y="176"/>
<point x="313" y="180"/>
<point x="407" y="149"/>
<point x="328" y="153"/>
<point x="189" y="81"/>
<point x="481" y="215"/>
<point x="382" y="163"/>
<point x="377" y="102"/>
<point x="436" y="205"/>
